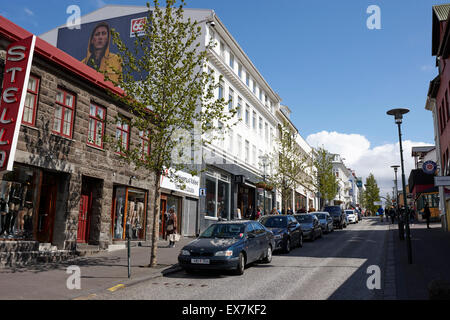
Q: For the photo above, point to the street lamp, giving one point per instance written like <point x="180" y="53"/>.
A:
<point x="265" y="160"/>
<point x="398" y="114"/>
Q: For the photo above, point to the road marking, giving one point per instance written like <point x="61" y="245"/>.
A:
<point x="115" y="288"/>
<point x="86" y="297"/>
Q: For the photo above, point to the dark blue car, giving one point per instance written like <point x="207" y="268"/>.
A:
<point x="286" y="229"/>
<point x="228" y="245"/>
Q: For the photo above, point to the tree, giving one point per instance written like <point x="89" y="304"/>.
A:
<point x="372" y="193"/>
<point x="325" y="181"/>
<point x="291" y="164"/>
<point x="171" y="95"/>
<point x="388" y="200"/>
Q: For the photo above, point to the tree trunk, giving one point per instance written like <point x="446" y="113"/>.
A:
<point x="156" y="213"/>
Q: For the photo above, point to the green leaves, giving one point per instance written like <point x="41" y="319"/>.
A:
<point x="372" y="193"/>
<point x="326" y="181"/>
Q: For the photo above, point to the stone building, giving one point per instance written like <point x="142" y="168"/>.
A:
<point x="68" y="187"/>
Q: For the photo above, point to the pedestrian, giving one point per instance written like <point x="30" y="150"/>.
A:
<point x="172" y="227"/>
<point x="392" y="215"/>
<point x="274" y="211"/>
<point x="412" y="215"/>
<point x="427" y="214"/>
<point x="258" y="213"/>
<point x="289" y="211"/>
<point x="248" y="212"/>
<point x="381" y="213"/>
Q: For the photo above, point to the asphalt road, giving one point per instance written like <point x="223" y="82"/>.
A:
<point x="334" y="267"/>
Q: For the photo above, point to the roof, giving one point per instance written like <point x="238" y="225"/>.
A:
<point x="421" y="151"/>
<point x="441" y="11"/>
<point x="440" y="14"/>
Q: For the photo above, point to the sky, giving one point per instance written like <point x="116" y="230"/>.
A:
<point x="337" y="76"/>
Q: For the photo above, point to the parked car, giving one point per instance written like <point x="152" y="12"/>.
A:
<point x="310" y="226"/>
<point x="228" y="245"/>
<point x="339" y="218"/>
<point x="286" y="229"/>
<point x="325" y="220"/>
<point x="351" y="215"/>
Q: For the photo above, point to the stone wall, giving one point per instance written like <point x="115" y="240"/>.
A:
<point x="39" y="147"/>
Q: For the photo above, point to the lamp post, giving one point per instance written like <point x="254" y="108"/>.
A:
<point x="398" y="114"/>
<point x="264" y="160"/>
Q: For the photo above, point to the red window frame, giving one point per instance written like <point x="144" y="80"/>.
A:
<point x="64" y="107"/>
<point x="96" y="121"/>
<point x="120" y="127"/>
<point x="145" y="139"/>
<point x="33" y="108"/>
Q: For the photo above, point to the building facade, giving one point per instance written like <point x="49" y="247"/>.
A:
<point x="67" y="187"/>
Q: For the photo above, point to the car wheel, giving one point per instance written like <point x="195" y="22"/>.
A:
<point x="287" y="247"/>
<point x="300" y="241"/>
<point x="268" y="257"/>
<point x="241" y="265"/>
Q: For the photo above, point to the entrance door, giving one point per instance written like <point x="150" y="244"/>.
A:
<point x="47" y="208"/>
<point x="163" y="209"/>
<point x="189" y="218"/>
<point x="83" y="219"/>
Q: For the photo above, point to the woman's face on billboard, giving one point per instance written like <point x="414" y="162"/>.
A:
<point x="100" y="38"/>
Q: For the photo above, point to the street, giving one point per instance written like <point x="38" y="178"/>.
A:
<point x="333" y="267"/>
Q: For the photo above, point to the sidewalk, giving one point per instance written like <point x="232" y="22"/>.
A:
<point x="430" y="260"/>
<point x="100" y="272"/>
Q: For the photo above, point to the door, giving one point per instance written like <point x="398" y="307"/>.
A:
<point x="83" y="219"/>
<point x="47" y="208"/>
<point x="252" y="243"/>
<point x="189" y="218"/>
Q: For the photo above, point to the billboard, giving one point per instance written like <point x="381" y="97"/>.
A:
<point x="92" y="44"/>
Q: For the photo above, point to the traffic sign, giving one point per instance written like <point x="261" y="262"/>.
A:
<point x="202" y="192"/>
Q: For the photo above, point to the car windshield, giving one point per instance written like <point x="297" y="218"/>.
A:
<point x="274" y="222"/>
<point x="304" y="218"/>
<point x="336" y="214"/>
<point x="321" y="216"/>
<point x="224" y="231"/>
<point x="349" y="212"/>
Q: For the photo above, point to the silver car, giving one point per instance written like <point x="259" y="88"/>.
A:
<point x="325" y="220"/>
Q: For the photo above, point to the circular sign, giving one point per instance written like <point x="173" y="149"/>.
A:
<point x="429" y="167"/>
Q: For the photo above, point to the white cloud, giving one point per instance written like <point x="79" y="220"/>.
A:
<point x="101" y="3"/>
<point x="359" y="156"/>
<point x="29" y="12"/>
<point x="426" y="68"/>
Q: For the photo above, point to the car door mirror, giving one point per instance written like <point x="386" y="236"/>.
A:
<point x="250" y="235"/>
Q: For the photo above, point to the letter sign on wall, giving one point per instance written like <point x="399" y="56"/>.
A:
<point x="19" y="56"/>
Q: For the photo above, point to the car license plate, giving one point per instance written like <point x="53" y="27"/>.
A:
<point x="200" y="261"/>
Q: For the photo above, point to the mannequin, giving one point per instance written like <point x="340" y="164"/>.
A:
<point x="22" y="212"/>
<point x="131" y="218"/>
<point x="3" y="212"/>
<point x="119" y="222"/>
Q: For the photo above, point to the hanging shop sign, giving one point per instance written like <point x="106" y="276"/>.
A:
<point x="19" y="56"/>
<point x="190" y="184"/>
<point x="429" y="167"/>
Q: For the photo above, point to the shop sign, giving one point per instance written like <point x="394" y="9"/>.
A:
<point x="191" y="183"/>
<point x="429" y="167"/>
<point x="19" y="56"/>
<point x="442" y="181"/>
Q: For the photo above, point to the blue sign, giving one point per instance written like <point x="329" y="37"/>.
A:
<point x="429" y="167"/>
<point x="202" y="192"/>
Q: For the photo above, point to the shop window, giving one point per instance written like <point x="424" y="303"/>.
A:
<point x="217" y="197"/>
<point x="64" y="111"/>
<point x="29" y="111"/>
<point x="97" y="117"/>
<point x="130" y="213"/>
<point x="123" y="134"/>
<point x="18" y="194"/>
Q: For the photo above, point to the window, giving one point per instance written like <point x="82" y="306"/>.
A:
<point x="260" y="126"/>
<point x="230" y="142"/>
<point x="231" y="60"/>
<point x="247" y="79"/>
<point x="271" y="137"/>
<point x="247" y="151"/>
<point x="220" y="90"/>
<point x="239" y="150"/>
<point x="123" y="134"/>
<point x="221" y="133"/>
<point x="239" y="70"/>
<point x="96" y="125"/>
<point x="64" y="110"/>
<point x="260" y="94"/>
<point x="247" y="115"/>
<point x="29" y="111"/>
<point x="266" y="132"/>
<point x="254" y="121"/>
<point x="230" y="100"/>
<point x="254" y="87"/>
<point x="254" y="155"/>
<point x="222" y="50"/>
<point x="144" y="137"/>
<point x="239" y="108"/>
